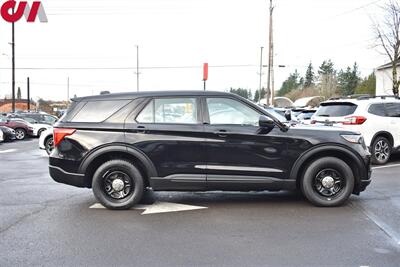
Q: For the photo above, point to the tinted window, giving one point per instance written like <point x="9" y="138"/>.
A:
<point x="228" y="111"/>
<point x="393" y="109"/>
<point x="377" y="109"/>
<point x="336" y="109"/>
<point x="98" y="111"/>
<point x="49" y="119"/>
<point x="170" y="110"/>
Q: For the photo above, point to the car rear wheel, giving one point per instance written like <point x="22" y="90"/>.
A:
<point x="49" y="145"/>
<point x="20" y="134"/>
<point x="328" y="182"/>
<point x="118" y="184"/>
<point x="381" y="150"/>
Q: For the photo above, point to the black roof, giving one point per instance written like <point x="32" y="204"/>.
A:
<point x="122" y="96"/>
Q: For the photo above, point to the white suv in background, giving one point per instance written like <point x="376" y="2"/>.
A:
<point x="376" y="118"/>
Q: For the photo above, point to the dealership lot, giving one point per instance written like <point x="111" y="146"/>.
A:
<point x="45" y="223"/>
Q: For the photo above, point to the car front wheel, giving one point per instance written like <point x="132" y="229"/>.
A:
<point x="118" y="184"/>
<point x="328" y="182"/>
<point x="20" y="134"/>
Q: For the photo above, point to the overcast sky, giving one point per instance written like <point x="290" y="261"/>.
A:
<point x="181" y="33"/>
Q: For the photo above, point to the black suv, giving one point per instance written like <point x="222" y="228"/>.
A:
<point x="121" y="144"/>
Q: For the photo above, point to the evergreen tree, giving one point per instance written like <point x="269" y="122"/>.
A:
<point x="257" y="96"/>
<point x="348" y="80"/>
<point x="326" y="68"/>
<point x="19" y="93"/>
<point x="293" y="82"/>
<point x="367" y="85"/>
<point x="241" y="92"/>
<point x="309" y="77"/>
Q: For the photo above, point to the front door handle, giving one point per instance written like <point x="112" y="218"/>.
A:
<point x="141" y="129"/>
<point x="222" y="133"/>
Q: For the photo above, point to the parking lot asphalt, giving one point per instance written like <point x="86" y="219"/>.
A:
<point x="49" y="224"/>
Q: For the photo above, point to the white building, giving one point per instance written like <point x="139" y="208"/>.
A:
<point x="384" y="81"/>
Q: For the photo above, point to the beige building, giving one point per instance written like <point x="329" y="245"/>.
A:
<point x="384" y="81"/>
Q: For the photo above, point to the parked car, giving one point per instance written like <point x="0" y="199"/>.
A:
<point x="376" y="118"/>
<point x="42" y="118"/>
<point x="22" y="130"/>
<point x="305" y="116"/>
<point x="120" y="144"/>
<point x="8" y="133"/>
<point x="1" y="136"/>
<point x="46" y="141"/>
<point x="37" y="127"/>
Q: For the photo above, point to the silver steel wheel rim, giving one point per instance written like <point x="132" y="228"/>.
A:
<point x="19" y="134"/>
<point x="329" y="183"/>
<point x="117" y="185"/>
<point x="382" y="150"/>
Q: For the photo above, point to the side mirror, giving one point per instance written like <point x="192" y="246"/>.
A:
<point x="266" y="122"/>
<point x="288" y="115"/>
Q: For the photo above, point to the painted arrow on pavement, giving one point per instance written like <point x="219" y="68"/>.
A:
<point x="158" y="207"/>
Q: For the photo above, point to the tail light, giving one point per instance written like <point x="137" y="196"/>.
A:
<point x="313" y="122"/>
<point x="60" y="134"/>
<point x="354" y="120"/>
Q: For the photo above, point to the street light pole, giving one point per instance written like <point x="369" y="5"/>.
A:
<point x="137" y="68"/>
<point x="261" y="67"/>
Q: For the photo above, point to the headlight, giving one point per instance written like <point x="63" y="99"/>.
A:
<point x="354" y="138"/>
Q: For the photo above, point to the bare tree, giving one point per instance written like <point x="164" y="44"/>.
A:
<point x="387" y="34"/>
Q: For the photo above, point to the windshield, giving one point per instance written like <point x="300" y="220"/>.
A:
<point x="336" y="109"/>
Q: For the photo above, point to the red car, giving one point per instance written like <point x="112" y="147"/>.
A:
<point x="21" y="129"/>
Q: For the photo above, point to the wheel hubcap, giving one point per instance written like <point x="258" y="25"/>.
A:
<point x="328" y="183"/>
<point x="117" y="184"/>
<point x="19" y="134"/>
<point x="382" y="151"/>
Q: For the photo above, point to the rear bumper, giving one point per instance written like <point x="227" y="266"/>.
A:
<point x="61" y="176"/>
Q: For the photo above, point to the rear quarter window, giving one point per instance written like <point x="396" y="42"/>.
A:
<point x="393" y="109"/>
<point x="377" y="109"/>
<point x="336" y="109"/>
<point x="97" y="111"/>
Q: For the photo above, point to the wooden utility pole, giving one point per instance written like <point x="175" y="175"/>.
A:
<point x="13" y="64"/>
<point x="270" y="54"/>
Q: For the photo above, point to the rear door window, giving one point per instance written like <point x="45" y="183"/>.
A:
<point x="170" y="110"/>
<point x="98" y="111"/>
<point x="336" y="109"/>
<point x="393" y="109"/>
<point x="377" y="109"/>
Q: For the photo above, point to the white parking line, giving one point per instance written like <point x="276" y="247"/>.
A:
<point x="7" y="151"/>
<point x="387" y="166"/>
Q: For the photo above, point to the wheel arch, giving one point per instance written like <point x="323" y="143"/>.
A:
<point x="385" y="134"/>
<point x="352" y="160"/>
<point x="104" y="154"/>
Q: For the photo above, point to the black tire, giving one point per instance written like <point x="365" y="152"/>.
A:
<point x="103" y="184"/>
<point x="49" y="145"/>
<point x="314" y="189"/>
<point x="381" y="150"/>
<point x="20" y="134"/>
